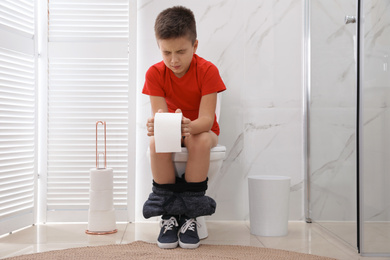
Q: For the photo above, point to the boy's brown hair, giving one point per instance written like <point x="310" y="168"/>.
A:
<point x="175" y="22"/>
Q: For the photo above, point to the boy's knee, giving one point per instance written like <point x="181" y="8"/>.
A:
<point x="200" y="141"/>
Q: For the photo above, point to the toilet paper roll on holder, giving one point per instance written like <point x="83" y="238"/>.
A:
<point x="100" y="168"/>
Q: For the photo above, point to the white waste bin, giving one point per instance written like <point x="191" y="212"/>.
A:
<point x="269" y="205"/>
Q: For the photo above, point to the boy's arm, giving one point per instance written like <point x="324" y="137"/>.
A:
<point x="158" y="103"/>
<point x="203" y="123"/>
<point x="205" y="120"/>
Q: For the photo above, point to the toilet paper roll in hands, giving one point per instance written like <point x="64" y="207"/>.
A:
<point x="167" y="132"/>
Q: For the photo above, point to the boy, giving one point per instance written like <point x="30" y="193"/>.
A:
<point x="183" y="83"/>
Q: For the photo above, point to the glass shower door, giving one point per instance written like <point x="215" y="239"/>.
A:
<point x="375" y="127"/>
<point x="332" y="115"/>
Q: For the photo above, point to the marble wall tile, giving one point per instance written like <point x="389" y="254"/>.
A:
<point x="257" y="46"/>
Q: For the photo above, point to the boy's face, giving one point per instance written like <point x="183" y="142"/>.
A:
<point x="177" y="54"/>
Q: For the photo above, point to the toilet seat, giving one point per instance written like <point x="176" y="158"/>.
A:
<point x="216" y="153"/>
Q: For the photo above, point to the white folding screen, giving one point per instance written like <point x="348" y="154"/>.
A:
<point x="17" y="114"/>
<point x="88" y="20"/>
<point x="88" y="81"/>
<point x="18" y="16"/>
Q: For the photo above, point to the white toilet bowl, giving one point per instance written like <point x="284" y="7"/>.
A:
<point x="217" y="154"/>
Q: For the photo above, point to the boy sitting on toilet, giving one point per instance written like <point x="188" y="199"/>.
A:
<point x="183" y="83"/>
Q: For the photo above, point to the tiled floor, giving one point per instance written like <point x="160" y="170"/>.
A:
<point x="302" y="237"/>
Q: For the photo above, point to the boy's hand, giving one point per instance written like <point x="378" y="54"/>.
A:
<point x="185" y="124"/>
<point x="150" y="124"/>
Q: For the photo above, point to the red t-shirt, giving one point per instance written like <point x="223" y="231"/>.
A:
<point x="185" y="93"/>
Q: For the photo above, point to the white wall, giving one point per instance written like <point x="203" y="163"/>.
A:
<point x="257" y="46"/>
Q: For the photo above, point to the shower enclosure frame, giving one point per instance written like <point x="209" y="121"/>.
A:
<point x="359" y="70"/>
<point x="306" y="109"/>
<point x="359" y="129"/>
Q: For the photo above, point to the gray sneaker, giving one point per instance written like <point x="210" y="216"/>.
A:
<point x="188" y="234"/>
<point x="167" y="238"/>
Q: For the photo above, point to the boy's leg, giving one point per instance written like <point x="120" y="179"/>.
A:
<point x="198" y="163"/>
<point x="162" y="166"/>
<point x="188" y="198"/>
<point x="164" y="173"/>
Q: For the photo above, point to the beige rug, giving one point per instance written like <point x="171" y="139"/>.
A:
<point x="143" y="250"/>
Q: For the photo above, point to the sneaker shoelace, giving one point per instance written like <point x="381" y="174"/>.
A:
<point x="168" y="224"/>
<point x="189" y="225"/>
